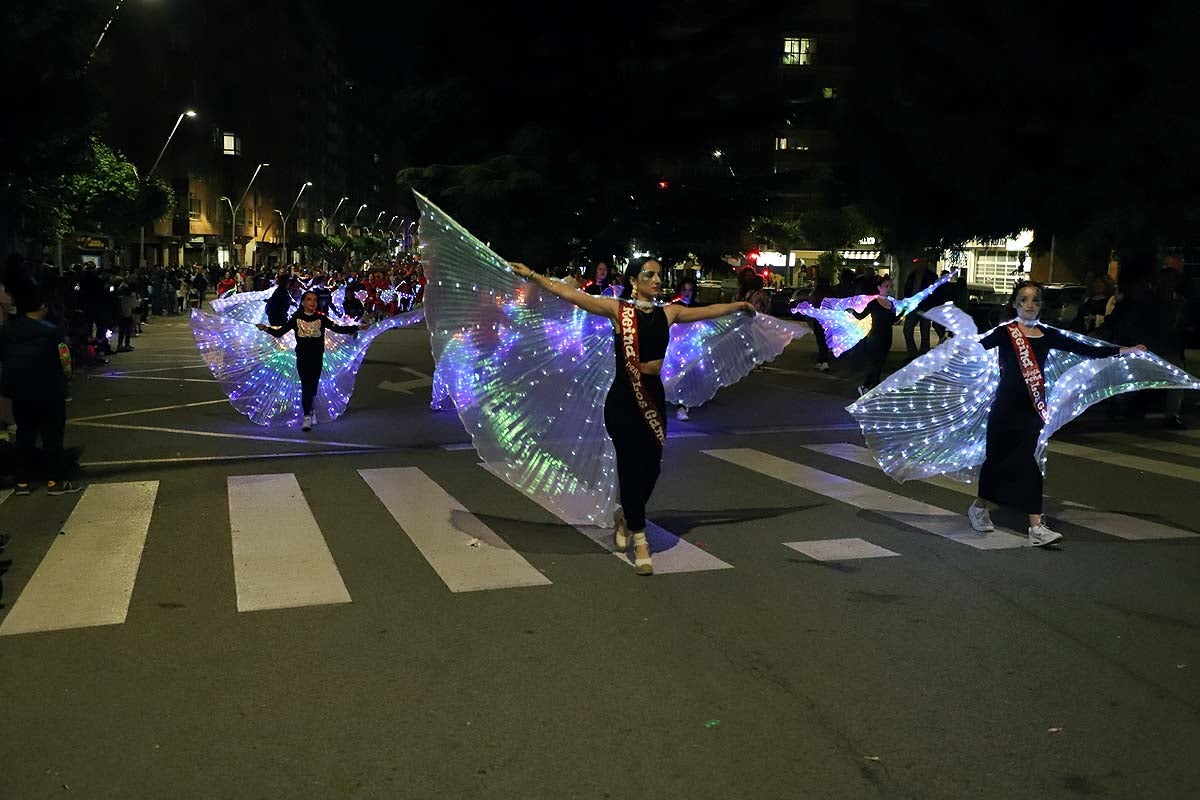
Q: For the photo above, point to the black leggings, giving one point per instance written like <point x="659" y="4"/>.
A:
<point x="639" y="457"/>
<point x="309" y="366"/>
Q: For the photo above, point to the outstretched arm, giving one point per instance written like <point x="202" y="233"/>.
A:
<point x="604" y="306"/>
<point x="277" y="330"/>
<point x="677" y="313"/>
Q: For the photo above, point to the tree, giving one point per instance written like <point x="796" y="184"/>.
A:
<point x="975" y="120"/>
<point x="104" y="195"/>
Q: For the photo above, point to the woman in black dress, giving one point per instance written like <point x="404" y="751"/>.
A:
<point x="878" y="343"/>
<point x="634" y="410"/>
<point x="1010" y="475"/>
<point x="309" y="325"/>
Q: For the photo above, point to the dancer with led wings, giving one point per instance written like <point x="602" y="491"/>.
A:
<point x="531" y="369"/>
<point x="984" y="406"/>
<point x="290" y="374"/>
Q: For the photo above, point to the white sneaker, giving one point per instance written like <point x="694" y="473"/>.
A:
<point x="682" y="413"/>
<point x="981" y="520"/>
<point x="307" y="426"/>
<point x="1040" y="536"/>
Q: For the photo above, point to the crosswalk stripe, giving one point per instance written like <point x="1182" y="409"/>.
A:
<point x="1122" y="526"/>
<point x="1129" y="462"/>
<point x="913" y="513"/>
<point x="280" y="559"/>
<point x="5" y="494"/>
<point x="1189" y="449"/>
<point x="87" y="576"/>
<point x="465" y="553"/>
<point x="670" y="553"/>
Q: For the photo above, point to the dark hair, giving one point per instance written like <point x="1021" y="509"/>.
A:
<point x="631" y="272"/>
<point x="879" y="279"/>
<point x="27" y="297"/>
<point x="1024" y="284"/>
<point x="307" y="292"/>
<point x="687" y="282"/>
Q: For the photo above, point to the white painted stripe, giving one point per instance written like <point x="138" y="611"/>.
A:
<point x="149" y="410"/>
<point x="280" y="559"/>
<point x="1129" y="462"/>
<point x="913" y="513"/>
<point x="458" y="446"/>
<point x="669" y="553"/>
<point x="217" y="435"/>
<point x="1111" y="523"/>
<point x="1189" y="449"/>
<point x="126" y="372"/>
<point x="133" y="462"/>
<point x="465" y="553"/>
<point x="796" y="428"/>
<point x="5" y="494"/>
<point x="87" y="576"/>
<point x="154" y="378"/>
<point x="840" y="549"/>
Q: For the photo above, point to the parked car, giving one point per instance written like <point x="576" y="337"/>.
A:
<point x="1061" y="303"/>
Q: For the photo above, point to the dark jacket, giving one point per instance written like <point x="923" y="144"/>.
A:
<point x="29" y="363"/>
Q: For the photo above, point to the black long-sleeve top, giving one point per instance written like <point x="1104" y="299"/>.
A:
<point x="1012" y="394"/>
<point x="310" y="332"/>
<point x="882" y="320"/>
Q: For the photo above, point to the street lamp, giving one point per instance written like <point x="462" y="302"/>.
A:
<point x="360" y="210"/>
<point x="103" y="31"/>
<point x="233" y="209"/>
<point x="186" y="113"/>
<point x="719" y="155"/>
<point x="333" y="216"/>
<point x="392" y="222"/>
<point x="288" y="215"/>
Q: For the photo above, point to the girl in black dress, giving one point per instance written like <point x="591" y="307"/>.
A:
<point x="309" y="325"/>
<point x="1010" y="475"/>
<point x="878" y="343"/>
<point x="634" y="411"/>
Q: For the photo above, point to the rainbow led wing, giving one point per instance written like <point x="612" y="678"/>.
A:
<point x="527" y="371"/>
<point x="703" y="357"/>
<point x="930" y="417"/>
<point x="258" y="372"/>
<point x="842" y="329"/>
<point x="905" y="306"/>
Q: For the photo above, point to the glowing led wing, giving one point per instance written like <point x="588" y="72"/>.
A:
<point x="1073" y="382"/>
<point x="244" y="306"/>
<point x="705" y="356"/>
<point x="842" y="329"/>
<point x="258" y="372"/>
<point x="905" y="306"/>
<point x="930" y="417"/>
<point x="527" y="371"/>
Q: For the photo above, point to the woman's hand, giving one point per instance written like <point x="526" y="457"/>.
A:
<point x="747" y="307"/>
<point x="1137" y="348"/>
<point x="261" y="326"/>
<point x="520" y="270"/>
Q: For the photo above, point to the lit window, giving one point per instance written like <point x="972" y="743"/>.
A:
<point x="798" y="51"/>
<point x="193" y="206"/>
<point x="829" y="93"/>
<point x="780" y="143"/>
<point x="231" y="144"/>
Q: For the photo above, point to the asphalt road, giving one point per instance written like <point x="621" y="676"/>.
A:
<point x="938" y="667"/>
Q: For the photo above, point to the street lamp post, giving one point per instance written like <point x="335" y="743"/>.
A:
<point x="288" y="215"/>
<point x="187" y="113"/>
<point x="333" y="216"/>
<point x="360" y="210"/>
<point x="392" y="222"/>
<point x="377" y="218"/>
<point x="103" y="31"/>
<point x="234" y="210"/>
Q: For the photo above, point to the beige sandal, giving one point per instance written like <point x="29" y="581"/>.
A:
<point x="620" y="532"/>
<point x="642" y="565"/>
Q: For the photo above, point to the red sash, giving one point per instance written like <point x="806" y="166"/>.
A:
<point x="627" y="327"/>
<point x="1031" y="371"/>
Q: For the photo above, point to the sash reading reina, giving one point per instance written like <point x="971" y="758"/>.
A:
<point x="1031" y="371"/>
<point x="627" y="322"/>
